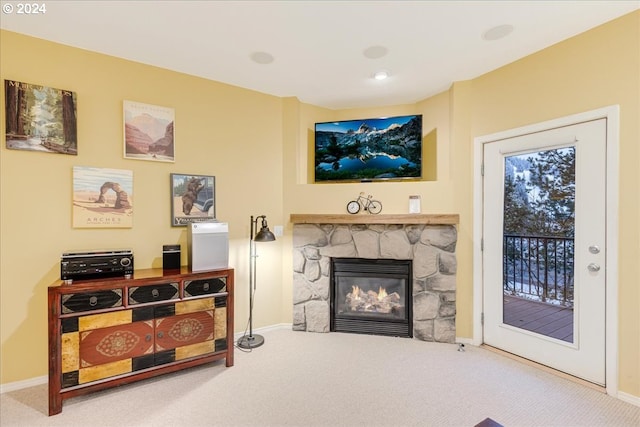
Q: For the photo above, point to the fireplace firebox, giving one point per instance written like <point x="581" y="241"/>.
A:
<point x="371" y="296"/>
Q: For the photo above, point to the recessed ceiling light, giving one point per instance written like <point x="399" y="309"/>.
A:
<point x="375" y="52"/>
<point x="498" y="32"/>
<point x="381" y="75"/>
<point x="261" y="57"/>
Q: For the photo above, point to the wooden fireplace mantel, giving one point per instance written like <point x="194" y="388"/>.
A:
<point x="440" y="219"/>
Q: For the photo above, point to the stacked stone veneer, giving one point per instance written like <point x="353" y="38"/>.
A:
<point x="431" y="247"/>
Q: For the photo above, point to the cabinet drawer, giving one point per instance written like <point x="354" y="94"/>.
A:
<point x="86" y="301"/>
<point x="153" y="293"/>
<point x="211" y="285"/>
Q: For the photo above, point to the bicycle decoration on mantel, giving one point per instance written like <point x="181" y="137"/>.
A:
<point x="367" y="203"/>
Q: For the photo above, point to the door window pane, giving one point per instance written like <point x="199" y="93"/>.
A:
<point x="538" y="242"/>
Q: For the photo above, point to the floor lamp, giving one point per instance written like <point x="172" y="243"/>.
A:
<point x="264" y="235"/>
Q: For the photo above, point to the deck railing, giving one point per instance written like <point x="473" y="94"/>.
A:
<point x="539" y="268"/>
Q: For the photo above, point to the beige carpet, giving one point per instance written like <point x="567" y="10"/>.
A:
<point x="307" y="379"/>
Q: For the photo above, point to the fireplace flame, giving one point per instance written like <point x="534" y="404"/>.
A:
<point x="355" y="292"/>
<point x="371" y="301"/>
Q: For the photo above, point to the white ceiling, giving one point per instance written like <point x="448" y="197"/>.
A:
<point x="318" y="45"/>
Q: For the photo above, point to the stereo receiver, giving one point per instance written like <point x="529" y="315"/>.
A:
<point x="96" y="264"/>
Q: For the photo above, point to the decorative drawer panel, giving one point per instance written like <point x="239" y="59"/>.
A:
<point x="99" y="372"/>
<point x="194" y="350"/>
<point x="155" y="359"/>
<point x="182" y="330"/>
<point x="220" y="322"/>
<point x="86" y="301"/>
<point x="192" y="306"/>
<point x="107" y="345"/>
<point x="103" y="320"/>
<point x="95" y="373"/>
<point x="211" y="285"/>
<point x="153" y="293"/>
<point x="70" y="344"/>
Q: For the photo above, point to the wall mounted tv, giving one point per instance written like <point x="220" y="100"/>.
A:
<point x="386" y="148"/>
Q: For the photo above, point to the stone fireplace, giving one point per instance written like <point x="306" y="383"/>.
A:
<point x="429" y="241"/>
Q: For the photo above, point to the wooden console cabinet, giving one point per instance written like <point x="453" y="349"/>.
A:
<point x="108" y="332"/>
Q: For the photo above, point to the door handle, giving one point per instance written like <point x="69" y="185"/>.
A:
<point x="593" y="267"/>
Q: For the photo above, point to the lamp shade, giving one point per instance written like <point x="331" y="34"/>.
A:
<point x="264" y="235"/>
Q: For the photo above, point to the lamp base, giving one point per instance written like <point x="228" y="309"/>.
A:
<point x="250" y="341"/>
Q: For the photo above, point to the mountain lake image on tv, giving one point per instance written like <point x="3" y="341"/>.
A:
<point x="369" y="149"/>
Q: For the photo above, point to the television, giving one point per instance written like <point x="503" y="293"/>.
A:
<point x="367" y="150"/>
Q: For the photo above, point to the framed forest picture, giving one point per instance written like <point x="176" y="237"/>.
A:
<point x="40" y="118"/>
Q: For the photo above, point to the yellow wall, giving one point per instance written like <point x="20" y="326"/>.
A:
<point x="595" y="69"/>
<point x="221" y="130"/>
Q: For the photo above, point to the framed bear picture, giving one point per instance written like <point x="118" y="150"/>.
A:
<point x="193" y="198"/>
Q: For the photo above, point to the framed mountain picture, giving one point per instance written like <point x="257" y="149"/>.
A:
<point x="148" y="132"/>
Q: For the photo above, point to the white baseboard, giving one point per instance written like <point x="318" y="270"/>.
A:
<point x="629" y="398"/>
<point x="19" y="385"/>
<point x="264" y="329"/>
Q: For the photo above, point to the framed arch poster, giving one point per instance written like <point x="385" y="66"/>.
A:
<point x="102" y="198"/>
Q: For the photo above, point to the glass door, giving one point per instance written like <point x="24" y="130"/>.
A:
<point x="544" y="204"/>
